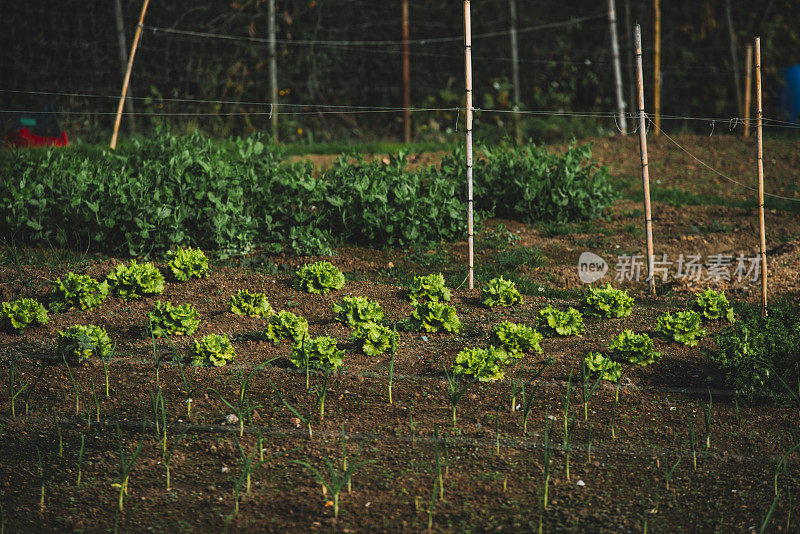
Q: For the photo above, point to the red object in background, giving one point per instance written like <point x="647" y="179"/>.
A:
<point x="25" y="138"/>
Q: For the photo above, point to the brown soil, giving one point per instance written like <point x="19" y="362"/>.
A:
<point x="617" y="483"/>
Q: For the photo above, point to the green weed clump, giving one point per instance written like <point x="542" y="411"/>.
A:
<point x="167" y="319"/>
<point x="18" y="314"/>
<point x="187" y="262"/>
<point x="553" y="321"/>
<point x="485" y="365"/>
<point x="682" y="327"/>
<point x="429" y="288"/>
<point x="317" y="353"/>
<point x="250" y="304"/>
<point x="78" y="291"/>
<point x="285" y="325"/>
<point x="319" y="277"/>
<point x="354" y="311"/>
<point x="79" y="343"/>
<point x="433" y="317"/>
<point x="213" y="349"/>
<point x="515" y="338"/>
<point x="500" y="292"/>
<point x="374" y="338"/>
<point x="607" y="302"/>
<point x="712" y="306"/>
<point x="135" y="280"/>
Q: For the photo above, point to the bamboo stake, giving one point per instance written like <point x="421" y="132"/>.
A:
<point x="273" y="71"/>
<point x="469" y="110"/>
<point x="612" y="21"/>
<point x="645" y="169"/>
<point x="657" y="67"/>
<point x="748" y="84"/>
<point x="512" y="5"/>
<point x="128" y="70"/>
<point x="761" y="229"/>
<point x="406" y="78"/>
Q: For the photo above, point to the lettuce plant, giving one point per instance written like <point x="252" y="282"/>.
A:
<point x="285" y="325"/>
<point x="18" y="314"/>
<point x="135" y="280"/>
<point x="374" y="338"/>
<point x="250" y="304"/>
<point x="317" y="353"/>
<point x="633" y="348"/>
<point x="432" y="316"/>
<point x="562" y="323"/>
<point x="596" y="363"/>
<point x="79" y="342"/>
<point x="607" y="302"/>
<point x="484" y="364"/>
<point x="78" y="291"/>
<point x="500" y="292"/>
<point x="428" y="288"/>
<point x="515" y="338"/>
<point x="213" y="349"/>
<point x="712" y="305"/>
<point x="167" y="319"/>
<point x="683" y="327"/>
<point x="187" y="262"/>
<point x="319" y="277"/>
<point x="353" y="311"/>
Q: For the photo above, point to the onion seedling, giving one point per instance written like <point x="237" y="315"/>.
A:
<point x="693" y="444"/>
<point x="527" y="404"/>
<point x="782" y="466"/>
<point x="440" y="462"/>
<point x="94" y="398"/>
<point x="80" y="460"/>
<point x="74" y="385"/>
<point x="105" y="359"/>
<point x="125" y="466"/>
<point x="568" y="444"/>
<point x="516" y="386"/>
<point x="586" y="390"/>
<point x="707" y="419"/>
<point x="60" y="438"/>
<point x="669" y="470"/>
<point x="188" y="390"/>
<point x="393" y="352"/>
<point x="41" y="480"/>
<point x="455" y="391"/>
<point x="548" y="431"/>
<point x="431" y="506"/>
<point x="305" y="417"/>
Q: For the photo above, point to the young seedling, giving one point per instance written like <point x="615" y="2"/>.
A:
<point x="456" y="391"/>
<point x="188" y="389"/>
<point x="527" y="404"/>
<point x="243" y="408"/>
<point x="95" y="399"/>
<point x="568" y="445"/>
<point x="707" y="419"/>
<point x="669" y="471"/>
<point x="693" y="444"/>
<point x="125" y="466"/>
<point x="497" y="433"/>
<point x="392" y="352"/>
<point x="80" y="460"/>
<point x="74" y="385"/>
<point x="587" y="388"/>
<point x="548" y="431"/>
<point x="589" y="444"/>
<point x="567" y="399"/>
<point x="782" y="466"/>
<point x="105" y="360"/>
<point x="516" y="388"/>
<point x="41" y="480"/>
<point x="305" y="417"/>
<point x="60" y="438"/>
<point x="440" y="462"/>
<point x="431" y="506"/>
<point x="13" y="391"/>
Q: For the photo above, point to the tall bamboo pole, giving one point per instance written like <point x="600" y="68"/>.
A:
<point x="512" y="5"/>
<point x="468" y="87"/>
<point x="406" y="78"/>
<point x="648" y="220"/>
<point x="612" y="22"/>
<point x="657" y="66"/>
<point x="748" y="84"/>
<point x="761" y="230"/>
<point x="273" y="70"/>
<point x="119" y="22"/>
<point x="128" y="70"/>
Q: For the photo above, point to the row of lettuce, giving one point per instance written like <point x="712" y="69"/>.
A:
<point x="752" y="353"/>
<point x="228" y="197"/>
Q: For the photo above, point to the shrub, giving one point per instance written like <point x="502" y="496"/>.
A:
<point x="712" y="306"/>
<point x="607" y="302"/>
<point x="250" y="304"/>
<point x="81" y="342"/>
<point x="596" y="363"/>
<point x="187" y="262"/>
<point x="515" y="338"/>
<point x="374" y="338"/>
<point x="428" y="288"/>
<point x="166" y="319"/>
<point x="319" y="277"/>
<point x="78" y="291"/>
<point x="683" y="327"/>
<point x="484" y="364"/>
<point x="500" y="292"/>
<point x="633" y="348"/>
<point x="562" y="323"/>
<point x="213" y="349"/>
<point x="358" y="310"/>
<point x="285" y="325"/>
<point x="757" y="352"/>
<point x="135" y="280"/>
<point x="317" y="353"/>
<point x="432" y="317"/>
<point x="18" y="314"/>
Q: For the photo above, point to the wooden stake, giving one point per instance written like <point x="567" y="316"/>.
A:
<point x="648" y="221"/>
<point x="128" y="70"/>
<point x="657" y="67"/>
<point x="748" y="84"/>
<point x="612" y="22"/>
<point x="512" y="5"/>
<point x="406" y="78"/>
<point x="273" y="71"/>
<point x="469" y="110"/>
<point x="761" y="230"/>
